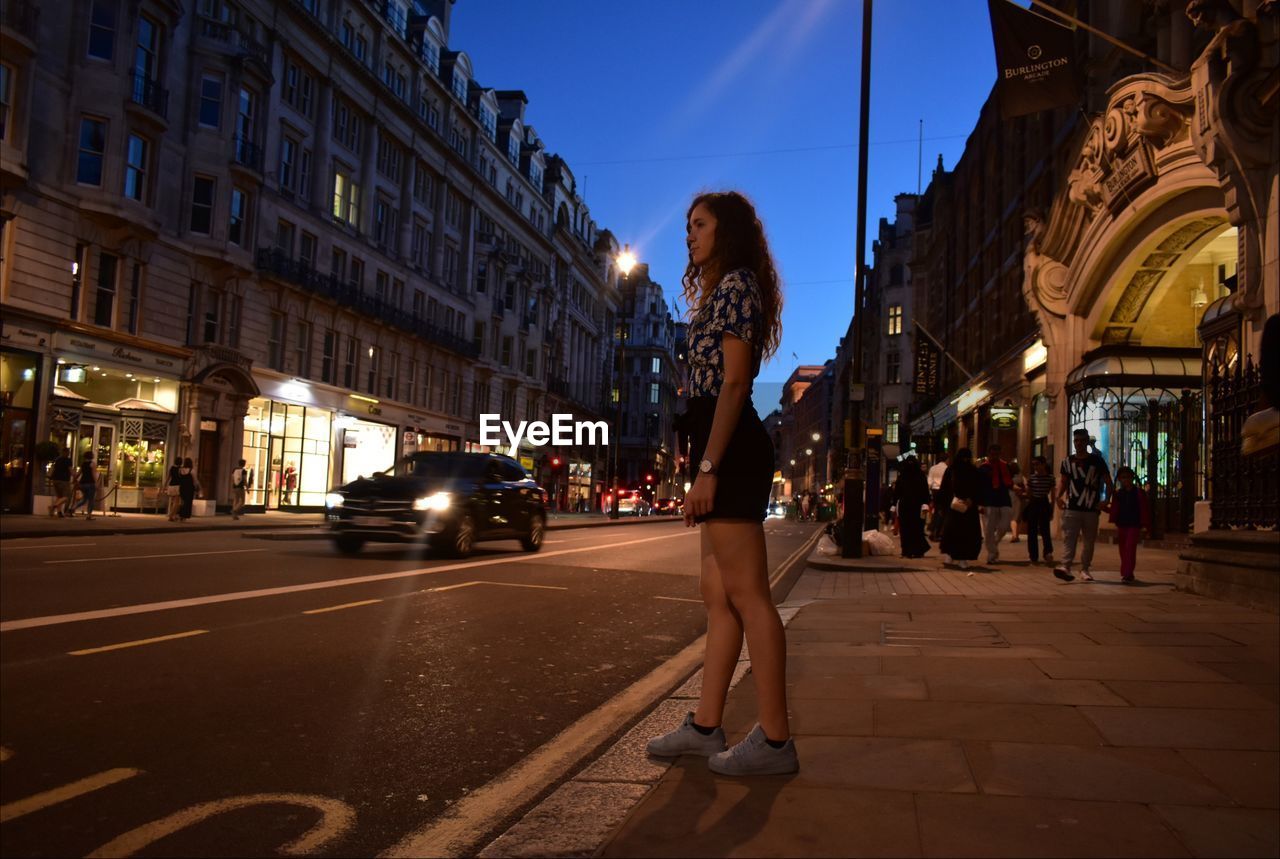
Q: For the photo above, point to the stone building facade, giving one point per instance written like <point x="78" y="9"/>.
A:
<point x="891" y="334"/>
<point x="302" y="234"/>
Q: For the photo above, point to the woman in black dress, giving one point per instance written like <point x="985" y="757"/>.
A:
<point x="733" y="295"/>
<point x="912" y="491"/>
<point x="186" y="488"/>
<point x="962" y="529"/>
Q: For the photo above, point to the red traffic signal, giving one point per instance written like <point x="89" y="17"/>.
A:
<point x="649" y="477"/>
<point x="555" y="462"/>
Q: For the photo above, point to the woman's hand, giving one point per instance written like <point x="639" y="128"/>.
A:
<point x="700" y="498"/>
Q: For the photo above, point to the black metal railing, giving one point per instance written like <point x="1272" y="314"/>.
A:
<point x="276" y="263"/>
<point x="150" y="95"/>
<point x="1243" y="487"/>
<point x="247" y="153"/>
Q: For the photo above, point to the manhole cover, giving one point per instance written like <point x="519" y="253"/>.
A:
<point x="976" y="634"/>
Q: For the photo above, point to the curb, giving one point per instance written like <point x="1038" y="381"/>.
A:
<point x="582" y="814"/>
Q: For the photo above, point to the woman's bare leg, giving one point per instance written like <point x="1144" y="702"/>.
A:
<point x="739" y="549"/>
<point x="724" y="641"/>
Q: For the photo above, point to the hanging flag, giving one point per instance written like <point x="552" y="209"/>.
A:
<point x="1035" y="61"/>
<point x="928" y="368"/>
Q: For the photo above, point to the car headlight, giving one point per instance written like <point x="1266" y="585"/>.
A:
<point x="334" y="499"/>
<point x="438" y="501"/>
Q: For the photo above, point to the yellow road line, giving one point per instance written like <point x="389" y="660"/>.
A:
<point x="137" y="643"/>
<point x="338" y="607"/>
<point x="678" y="599"/>
<point x="518" y="585"/>
<point x="12" y="810"/>
<point x="450" y="587"/>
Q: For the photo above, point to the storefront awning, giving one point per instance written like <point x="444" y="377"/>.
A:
<point x="1138" y="369"/>
<point x="133" y="404"/>
<point x="67" y="394"/>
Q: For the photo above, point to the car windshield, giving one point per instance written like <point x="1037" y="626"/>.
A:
<point x="447" y="465"/>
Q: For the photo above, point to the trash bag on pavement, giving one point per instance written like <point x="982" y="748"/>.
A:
<point x="879" y="542"/>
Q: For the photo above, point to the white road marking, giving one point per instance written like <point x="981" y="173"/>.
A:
<point x="12" y="810"/>
<point x="145" y="557"/>
<point x="138" y="643"/>
<point x="518" y="585"/>
<point x="121" y="611"/>
<point x="45" y="546"/>
<point x="336" y="818"/>
<point x="678" y="599"/>
<point x="337" y="607"/>
<point x="451" y="587"/>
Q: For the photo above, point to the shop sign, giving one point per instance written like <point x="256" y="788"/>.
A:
<point x="1004" y="417"/>
<point x="928" y="368"/>
<point x="82" y="345"/>
<point x="1035" y="356"/>
<point x="16" y="335"/>
<point x="1127" y="176"/>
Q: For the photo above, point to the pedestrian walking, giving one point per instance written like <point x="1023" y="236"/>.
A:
<point x="1037" y="510"/>
<point x="804" y="506"/>
<point x="87" y="478"/>
<point x="962" y="530"/>
<point x="1131" y="514"/>
<point x="997" y="503"/>
<point x="188" y="486"/>
<point x="912" y="491"/>
<point x="732" y="290"/>
<point x="938" y="514"/>
<point x="1018" y="496"/>
<point x="1083" y="476"/>
<point x="173" y="490"/>
<point x="60" y="479"/>
<point x="239" y="485"/>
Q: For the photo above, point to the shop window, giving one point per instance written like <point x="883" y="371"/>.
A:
<point x="287" y="450"/>
<point x="104" y="297"/>
<point x="93" y="146"/>
<point x="142" y="453"/>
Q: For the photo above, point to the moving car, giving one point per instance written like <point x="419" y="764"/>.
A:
<point x="444" y="501"/>
<point x="667" y="506"/>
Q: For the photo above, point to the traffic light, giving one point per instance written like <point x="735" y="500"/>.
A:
<point x="555" y="462"/>
<point x="649" y="478"/>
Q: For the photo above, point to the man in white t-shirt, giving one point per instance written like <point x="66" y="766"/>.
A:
<point x="936" y="474"/>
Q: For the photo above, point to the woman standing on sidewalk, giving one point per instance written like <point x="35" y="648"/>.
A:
<point x="962" y="530"/>
<point x="732" y="291"/>
<point x="187" y="487"/>
<point x="912" y="492"/>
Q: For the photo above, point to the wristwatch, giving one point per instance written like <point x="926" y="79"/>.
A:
<point x="706" y="467"/>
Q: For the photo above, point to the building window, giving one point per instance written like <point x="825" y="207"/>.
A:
<point x="450" y="274"/>
<point x="211" y="101"/>
<point x="102" y="29"/>
<point x="895" y="319"/>
<point x="304" y="176"/>
<point x="202" y="191"/>
<point x="234" y="307"/>
<point x="346" y="199"/>
<point x="893" y="368"/>
<point x="135" y="299"/>
<point x="329" y="357"/>
<point x="6" y="99"/>
<point x="93" y="145"/>
<point x="245" y="114"/>
<point x="892" y="421"/>
<point x="284" y="237"/>
<point x="389" y="381"/>
<point x="307" y="249"/>
<point x="238" y="225"/>
<point x="135" y="174"/>
<point x="375" y="367"/>
<point x="506" y="352"/>
<point x="212" y="315"/>
<point x="656" y="366"/>
<point x="482" y="276"/>
<point x="302" y="349"/>
<point x="275" y="342"/>
<point x="655" y="391"/>
<point x="351" y="367"/>
<point x="421" y="245"/>
<point x="288" y="158"/>
<point x="104" y="299"/>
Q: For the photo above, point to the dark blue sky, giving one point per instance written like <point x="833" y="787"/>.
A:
<point x="651" y="102"/>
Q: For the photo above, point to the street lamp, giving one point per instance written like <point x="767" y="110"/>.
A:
<point x="626" y="262"/>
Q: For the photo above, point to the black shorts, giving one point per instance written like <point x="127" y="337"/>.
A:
<point x="744" y="476"/>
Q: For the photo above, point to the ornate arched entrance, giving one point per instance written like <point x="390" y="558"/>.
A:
<point x="216" y="394"/>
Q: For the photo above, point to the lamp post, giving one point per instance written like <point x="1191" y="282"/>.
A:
<point x="626" y="262"/>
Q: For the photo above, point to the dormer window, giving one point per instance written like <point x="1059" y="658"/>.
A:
<point x="490" y="122"/>
<point x="459" y="86"/>
<point x="431" y="55"/>
<point x="513" y="150"/>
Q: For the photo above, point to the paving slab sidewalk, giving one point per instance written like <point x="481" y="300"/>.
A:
<point x="1002" y="713"/>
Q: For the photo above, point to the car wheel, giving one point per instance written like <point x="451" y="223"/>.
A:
<point x="348" y="544"/>
<point x="532" y="541"/>
<point x="464" y="537"/>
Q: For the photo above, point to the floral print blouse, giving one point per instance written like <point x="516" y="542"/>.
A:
<point x="734" y="308"/>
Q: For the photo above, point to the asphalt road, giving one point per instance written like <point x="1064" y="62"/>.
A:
<point x="268" y="689"/>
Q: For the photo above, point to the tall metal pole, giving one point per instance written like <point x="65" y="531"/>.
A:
<point x="854" y="477"/>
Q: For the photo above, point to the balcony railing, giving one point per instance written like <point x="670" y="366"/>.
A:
<point x="150" y="95"/>
<point x="1244" y="487"/>
<point x="248" y="154"/>
<point x="276" y="263"/>
<point x="234" y="39"/>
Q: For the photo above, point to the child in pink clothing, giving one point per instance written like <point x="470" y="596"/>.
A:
<point x="1131" y="513"/>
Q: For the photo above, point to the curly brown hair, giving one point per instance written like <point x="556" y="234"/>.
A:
<point x="739" y="243"/>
